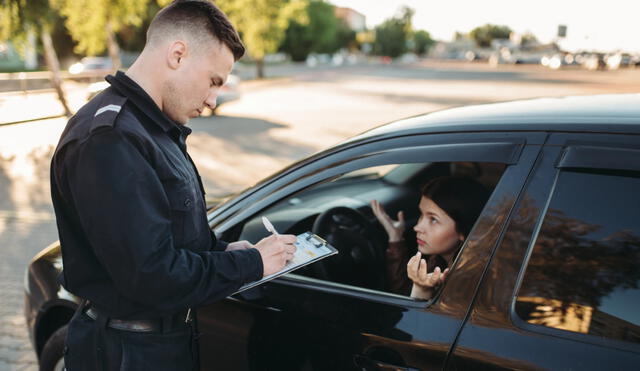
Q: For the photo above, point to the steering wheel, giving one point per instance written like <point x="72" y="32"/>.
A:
<point x="360" y="259"/>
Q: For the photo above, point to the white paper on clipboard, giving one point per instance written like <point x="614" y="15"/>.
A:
<point x="309" y="249"/>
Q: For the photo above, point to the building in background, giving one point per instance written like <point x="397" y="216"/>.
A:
<point x="355" y="20"/>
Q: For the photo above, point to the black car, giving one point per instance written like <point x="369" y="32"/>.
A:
<point x="547" y="278"/>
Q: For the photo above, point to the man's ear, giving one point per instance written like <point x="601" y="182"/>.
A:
<point x="176" y="53"/>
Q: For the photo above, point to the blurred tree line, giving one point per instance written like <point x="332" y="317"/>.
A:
<point x="396" y="36"/>
<point x="320" y="31"/>
<point x="484" y="35"/>
<point x="92" y="24"/>
<point x="298" y="28"/>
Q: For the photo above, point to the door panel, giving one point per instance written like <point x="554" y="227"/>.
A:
<point x="494" y="336"/>
<point x="225" y="333"/>
<point x="301" y="323"/>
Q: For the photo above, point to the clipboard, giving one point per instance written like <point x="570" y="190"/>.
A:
<point x="309" y="249"/>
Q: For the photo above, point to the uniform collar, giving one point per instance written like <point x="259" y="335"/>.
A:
<point x="129" y="88"/>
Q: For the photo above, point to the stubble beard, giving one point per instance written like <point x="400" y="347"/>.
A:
<point x="172" y="104"/>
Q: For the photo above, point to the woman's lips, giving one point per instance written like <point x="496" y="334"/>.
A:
<point x="421" y="242"/>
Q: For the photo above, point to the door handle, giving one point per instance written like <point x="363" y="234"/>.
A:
<point x="369" y="364"/>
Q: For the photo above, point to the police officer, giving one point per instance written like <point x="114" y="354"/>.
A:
<point x="130" y="206"/>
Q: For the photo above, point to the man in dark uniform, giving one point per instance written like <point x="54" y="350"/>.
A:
<point x="129" y="203"/>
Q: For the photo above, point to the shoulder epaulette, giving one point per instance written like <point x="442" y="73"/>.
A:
<point x="108" y="110"/>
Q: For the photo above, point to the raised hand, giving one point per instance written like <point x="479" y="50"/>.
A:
<point x="394" y="228"/>
<point x="424" y="283"/>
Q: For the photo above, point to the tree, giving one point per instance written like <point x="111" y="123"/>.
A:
<point x="322" y="26"/>
<point x="297" y="42"/>
<point x="346" y="37"/>
<point x="262" y="24"/>
<point x="484" y="35"/>
<point x="422" y="42"/>
<point x="405" y="14"/>
<point x="528" y="39"/>
<point x="392" y="35"/>
<point x="457" y="36"/>
<point x="390" y="39"/>
<point x="93" y="23"/>
<point x="18" y="18"/>
<point x="324" y="33"/>
<point x="134" y="38"/>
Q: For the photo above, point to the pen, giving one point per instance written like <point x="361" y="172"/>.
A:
<point x="269" y="226"/>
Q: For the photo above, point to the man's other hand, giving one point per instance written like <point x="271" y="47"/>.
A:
<point x="275" y="251"/>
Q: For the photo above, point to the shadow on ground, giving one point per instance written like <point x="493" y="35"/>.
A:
<point x="250" y="135"/>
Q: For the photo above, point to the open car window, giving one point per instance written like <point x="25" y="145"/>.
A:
<point x="372" y="172"/>
<point x="338" y="209"/>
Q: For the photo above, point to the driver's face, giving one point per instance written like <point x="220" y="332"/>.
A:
<point x="436" y="231"/>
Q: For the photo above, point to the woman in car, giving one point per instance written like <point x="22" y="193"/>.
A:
<point x="449" y="207"/>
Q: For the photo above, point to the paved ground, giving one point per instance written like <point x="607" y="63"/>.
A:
<point x="276" y="122"/>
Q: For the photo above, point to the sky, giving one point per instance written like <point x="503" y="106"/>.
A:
<point x="594" y="25"/>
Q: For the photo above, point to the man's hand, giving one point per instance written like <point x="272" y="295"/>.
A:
<point x="394" y="228"/>
<point x="275" y="251"/>
<point x="239" y="245"/>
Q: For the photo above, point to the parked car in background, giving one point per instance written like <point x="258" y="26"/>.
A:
<point x="91" y="65"/>
<point x="548" y="278"/>
<point x="594" y="62"/>
<point x="559" y="60"/>
<point x="618" y="60"/>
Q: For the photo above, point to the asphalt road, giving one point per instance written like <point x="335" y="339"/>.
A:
<point x="296" y="112"/>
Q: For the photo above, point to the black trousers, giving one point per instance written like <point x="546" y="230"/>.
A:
<point x="92" y="345"/>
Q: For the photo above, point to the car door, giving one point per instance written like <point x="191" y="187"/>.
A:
<point x="561" y="291"/>
<point x="298" y="322"/>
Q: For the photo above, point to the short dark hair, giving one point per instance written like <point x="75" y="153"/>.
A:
<point x="460" y="197"/>
<point x="195" y="16"/>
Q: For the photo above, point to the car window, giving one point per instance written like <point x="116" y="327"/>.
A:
<point x="584" y="270"/>
<point x="375" y="171"/>
<point x="353" y="229"/>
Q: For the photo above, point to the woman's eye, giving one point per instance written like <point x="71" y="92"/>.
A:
<point x="433" y="220"/>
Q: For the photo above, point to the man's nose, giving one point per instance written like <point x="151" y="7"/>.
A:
<point x="211" y="100"/>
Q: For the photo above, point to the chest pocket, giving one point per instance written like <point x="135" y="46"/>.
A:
<point x="185" y="213"/>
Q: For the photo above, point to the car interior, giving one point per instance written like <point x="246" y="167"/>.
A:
<point x="339" y="211"/>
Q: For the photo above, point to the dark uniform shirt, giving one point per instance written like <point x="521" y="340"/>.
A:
<point x="130" y="210"/>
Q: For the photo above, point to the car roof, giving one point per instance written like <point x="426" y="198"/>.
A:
<point x="612" y="113"/>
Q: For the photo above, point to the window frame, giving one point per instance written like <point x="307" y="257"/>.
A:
<point x="309" y="170"/>
<point x="477" y="147"/>
<point x="597" y="158"/>
<point x="600" y="158"/>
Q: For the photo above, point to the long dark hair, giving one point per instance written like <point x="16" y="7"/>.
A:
<point x="462" y="198"/>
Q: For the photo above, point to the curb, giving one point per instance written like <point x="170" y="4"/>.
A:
<point x="31" y="120"/>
